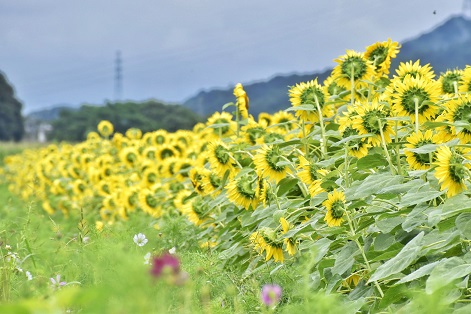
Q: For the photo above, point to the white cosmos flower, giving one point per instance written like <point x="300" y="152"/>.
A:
<point x="147" y="259"/>
<point x="140" y="239"/>
<point x="28" y="275"/>
<point x="172" y="250"/>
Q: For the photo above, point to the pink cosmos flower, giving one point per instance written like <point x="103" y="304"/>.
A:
<point x="271" y="294"/>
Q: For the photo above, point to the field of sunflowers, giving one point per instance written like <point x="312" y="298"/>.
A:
<point x="353" y="199"/>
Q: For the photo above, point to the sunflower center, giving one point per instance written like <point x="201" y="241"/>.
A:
<point x="160" y="139"/>
<point x="357" y="64"/>
<point x="463" y="113"/>
<point x="255" y="133"/>
<point x="151" y="201"/>
<point x="457" y="169"/>
<point x="379" y="55"/>
<point x="222" y="155"/>
<point x="151" y="177"/>
<point x="272" y="157"/>
<point x="371" y="121"/>
<point x="337" y="209"/>
<point x="166" y="152"/>
<point x="199" y="207"/>
<point x="409" y="97"/>
<point x="449" y="81"/>
<point x="184" y="169"/>
<point x="132" y="199"/>
<point x="214" y="180"/>
<point x="245" y="187"/>
<point x="222" y="129"/>
<point x="309" y="96"/>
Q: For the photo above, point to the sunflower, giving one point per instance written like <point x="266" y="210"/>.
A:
<point x="415" y="70"/>
<point x="266" y="162"/>
<point x="357" y="147"/>
<point x="311" y="175"/>
<point x="381" y="53"/>
<point x="242" y="101"/>
<point x="465" y="86"/>
<point x="332" y="88"/>
<point x="459" y="110"/>
<point x="451" y="81"/>
<point x="220" y="158"/>
<point x="353" y="63"/>
<point x="264" y="191"/>
<point x="149" y="202"/>
<point x="335" y="205"/>
<point x="404" y="94"/>
<point x="133" y="134"/>
<point x="368" y="119"/>
<point x="150" y="153"/>
<point x="290" y="243"/>
<point x="264" y="119"/>
<point x="450" y="171"/>
<point x="306" y="93"/>
<point x="105" y="128"/>
<point x="130" y="156"/>
<point x="197" y="210"/>
<point x="253" y="131"/>
<point x="419" y="161"/>
<point x="242" y="190"/>
<point x="283" y="121"/>
<point x="196" y="177"/>
<point x="166" y="151"/>
<point x="211" y="183"/>
<point x="182" y="197"/>
<point x="150" y="176"/>
<point x="264" y="240"/>
<point x="221" y="124"/>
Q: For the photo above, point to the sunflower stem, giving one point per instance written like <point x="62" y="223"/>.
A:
<point x="385" y="148"/>
<point x="455" y="87"/>
<point x="347" y="181"/>
<point x="237" y="121"/>
<point x="321" y="121"/>
<point x="416" y="102"/>
<point x="352" y="85"/>
<point x="398" y="156"/>
<point x="306" y="145"/>
<point x="362" y="251"/>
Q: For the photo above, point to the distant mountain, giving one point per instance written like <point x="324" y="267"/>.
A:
<point x="445" y="47"/>
<point x="49" y="114"/>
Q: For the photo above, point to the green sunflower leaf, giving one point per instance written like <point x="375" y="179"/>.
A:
<point x="401" y="261"/>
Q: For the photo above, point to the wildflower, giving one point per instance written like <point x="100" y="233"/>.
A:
<point x="140" y="239"/>
<point x="147" y="259"/>
<point x="165" y="264"/>
<point x="271" y="294"/>
<point x="29" y="276"/>
<point x="57" y="283"/>
<point x="172" y="250"/>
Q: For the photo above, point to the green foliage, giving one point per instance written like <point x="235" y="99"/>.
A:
<point x="74" y="125"/>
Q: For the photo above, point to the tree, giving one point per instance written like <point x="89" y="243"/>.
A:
<point x="11" y="121"/>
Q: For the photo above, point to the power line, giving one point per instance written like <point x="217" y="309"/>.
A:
<point x="118" y="78"/>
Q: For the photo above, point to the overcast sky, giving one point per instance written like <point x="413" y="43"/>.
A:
<point x="63" y="51"/>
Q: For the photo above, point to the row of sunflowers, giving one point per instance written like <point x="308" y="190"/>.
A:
<point x="366" y="174"/>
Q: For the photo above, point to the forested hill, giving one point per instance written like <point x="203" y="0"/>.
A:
<point x="73" y="125"/>
<point x="445" y="47"/>
<point x="11" y="121"/>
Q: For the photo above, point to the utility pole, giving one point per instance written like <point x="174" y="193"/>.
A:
<point x="118" y="78"/>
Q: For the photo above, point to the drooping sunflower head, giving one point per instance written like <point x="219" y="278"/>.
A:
<point x="336" y="206"/>
<point x="412" y="91"/>
<point x="353" y="66"/>
<point x="419" y="160"/>
<point x="451" y="81"/>
<point x="242" y="101"/>
<point x="310" y="93"/>
<point x="242" y="190"/>
<point x="357" y="147"/>
<point x="381" y="53"/>
<point x="451" y="170"/>
<point x="130" y="156"/>
<point x="211" y="183"/>
<point x="267" y="162"/>
<point x="197" y="210"/>
<point x="105" y="128"/>
<point x="265" y="240"/>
